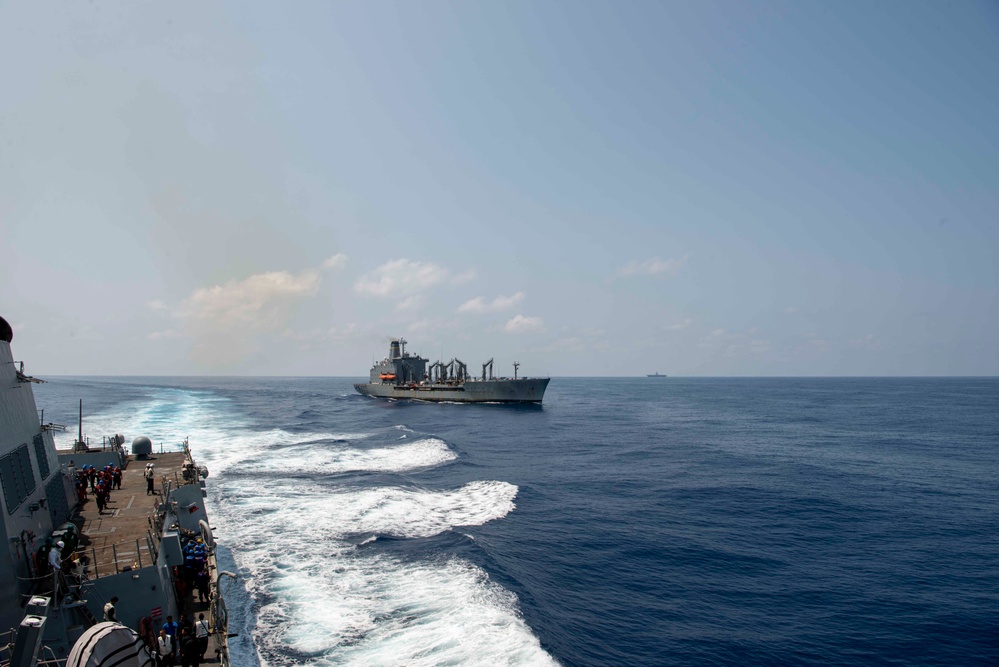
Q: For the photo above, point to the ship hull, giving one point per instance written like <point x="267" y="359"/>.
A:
<point x="527" y="390"/>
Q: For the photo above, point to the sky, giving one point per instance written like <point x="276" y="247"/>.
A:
<point x="589" y="188"/>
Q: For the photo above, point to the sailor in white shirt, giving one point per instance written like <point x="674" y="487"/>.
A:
<point x="55" y="555"/>
<point x="110" y="613"/>
<point x="164" y="647"/>
<point x="201" y="633"/>
<point x="55" y="564"/>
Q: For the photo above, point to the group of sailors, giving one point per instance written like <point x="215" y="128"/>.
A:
<point x="185" y="642"/>
<point x="99" y="481"/>
<point x="194" y="573"/>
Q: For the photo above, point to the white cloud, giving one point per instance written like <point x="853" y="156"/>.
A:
<point x="337" y="261"/>
<point x="683" y="324"/>
<point x="156" y="304"/>
<point x="478" y="304"/>
<point x="402" y="277"/>
<point x="414" y="302"/>
<point x="251" y="301"/>
<point x="231" y="321"/>
<point x="653" y="267"/>
<point x="521" y="324"/>
<point x="790" y="310"/>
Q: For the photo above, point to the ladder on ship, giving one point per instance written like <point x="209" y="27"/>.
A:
<point x="74" y="601"/>
<point x="81" y="606"/>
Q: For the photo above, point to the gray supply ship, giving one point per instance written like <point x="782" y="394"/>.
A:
<point x="66" y="559"/>
<point x="404" y="376"/>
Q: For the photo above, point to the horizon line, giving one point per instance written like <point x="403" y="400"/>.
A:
<point x="609" y="377"/>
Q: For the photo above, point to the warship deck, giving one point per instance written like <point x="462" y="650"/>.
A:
<point x="121" y="536"/>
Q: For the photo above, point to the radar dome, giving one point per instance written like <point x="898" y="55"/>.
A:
<point x="6" y="333"/>
<point x="142" y="447"/>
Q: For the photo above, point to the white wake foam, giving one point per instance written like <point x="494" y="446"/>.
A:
<point x="313" y="512"/>
<point x="165" y="416"/>
<point x="330" y="603"/>
<point x="381" y="612"/>
<point x="337" y="458"/>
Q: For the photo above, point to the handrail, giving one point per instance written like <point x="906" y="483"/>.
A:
<point x="131" y="561"/>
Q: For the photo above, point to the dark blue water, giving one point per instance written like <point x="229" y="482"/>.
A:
<point x="653" y="521"/>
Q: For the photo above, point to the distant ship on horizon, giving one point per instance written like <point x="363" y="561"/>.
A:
<point x="656" y="375"/>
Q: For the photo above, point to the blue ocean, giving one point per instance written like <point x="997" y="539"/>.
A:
<point x="627" y="521"/>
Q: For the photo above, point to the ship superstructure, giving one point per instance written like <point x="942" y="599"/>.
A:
<point x="36" y="496"/>
<point x="67" y="556"/>
<point x="401" y="375"/>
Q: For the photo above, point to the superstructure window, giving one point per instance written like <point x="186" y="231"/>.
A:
<point x="42" y="456"/>
<point x="17" y="477"/>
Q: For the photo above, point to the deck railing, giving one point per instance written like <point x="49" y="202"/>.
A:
<point x="120" y="557"/>
<point x="46" y="658"/>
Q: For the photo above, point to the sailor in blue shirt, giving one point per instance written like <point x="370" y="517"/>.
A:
<point x="170" y="627"/>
